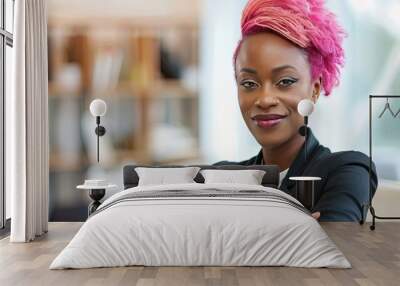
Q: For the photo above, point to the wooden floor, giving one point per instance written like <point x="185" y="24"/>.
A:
<point x="375" y="257"/>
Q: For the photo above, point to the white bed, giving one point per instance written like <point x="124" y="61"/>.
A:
<point x="185" y="230"/>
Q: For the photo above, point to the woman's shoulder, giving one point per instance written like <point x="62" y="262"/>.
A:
<point x="336" y="159"/>
<point x="325" y="161"/>
<point x="343" y="163"/>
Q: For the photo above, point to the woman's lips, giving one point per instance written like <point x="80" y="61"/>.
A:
<point x="268" y="123"/>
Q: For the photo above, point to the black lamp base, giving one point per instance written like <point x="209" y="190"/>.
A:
<point x="305" y="193"/>
<point x="96" y="195"/>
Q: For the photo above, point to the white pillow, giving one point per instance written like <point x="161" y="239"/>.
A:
<point x="162" y="176"/>
<point x="248" y="177"/>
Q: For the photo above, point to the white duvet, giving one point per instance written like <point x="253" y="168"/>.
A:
<point x="200" y="231"/>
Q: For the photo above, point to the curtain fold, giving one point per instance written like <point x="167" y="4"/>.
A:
<point x="27" y="122"/>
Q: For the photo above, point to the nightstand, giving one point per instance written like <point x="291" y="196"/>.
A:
<point x="97" y="190"/>
<point x="305" y="190"/>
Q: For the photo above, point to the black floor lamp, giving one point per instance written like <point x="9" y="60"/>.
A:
<point x="394" y="115"/>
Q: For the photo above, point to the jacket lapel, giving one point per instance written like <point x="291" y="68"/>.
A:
<point x="298" y="165"/>
<point x="258" y="158"/>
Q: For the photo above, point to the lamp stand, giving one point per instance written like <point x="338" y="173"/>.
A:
<point x="303" y="132"/>
<point x="100" y="131"/>
<point x="305" y="137"/>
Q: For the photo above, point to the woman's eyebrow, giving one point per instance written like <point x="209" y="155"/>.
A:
<point x="281" y="68"/>
<point x="248" y="70"/>
<point x="274" y="70"/>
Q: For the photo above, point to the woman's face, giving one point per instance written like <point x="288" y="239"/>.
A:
<point x="272" y="76"/>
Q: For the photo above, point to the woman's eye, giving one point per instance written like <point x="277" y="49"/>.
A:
<point x="249" y="84"/>
<point x="286" y="82"/>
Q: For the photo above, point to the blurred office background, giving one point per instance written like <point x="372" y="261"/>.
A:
<point x="164" y="67"/>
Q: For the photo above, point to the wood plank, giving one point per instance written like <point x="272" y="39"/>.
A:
<point x="374" y="255"/>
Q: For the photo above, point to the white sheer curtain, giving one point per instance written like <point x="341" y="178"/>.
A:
<point x="27" y="124"/>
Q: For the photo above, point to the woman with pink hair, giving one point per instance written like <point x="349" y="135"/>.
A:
<point x="292" y="50"/>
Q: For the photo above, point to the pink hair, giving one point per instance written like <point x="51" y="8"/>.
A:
<point x="306" y="23"/>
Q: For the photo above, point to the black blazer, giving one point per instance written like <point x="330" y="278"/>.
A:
<point x="343" y="192"/>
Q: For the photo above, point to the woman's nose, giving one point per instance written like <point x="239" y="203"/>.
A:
<point x="266" y="99"/>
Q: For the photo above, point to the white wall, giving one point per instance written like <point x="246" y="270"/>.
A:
<point x="222" y="130"/>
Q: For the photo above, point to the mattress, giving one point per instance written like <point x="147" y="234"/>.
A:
<point x="201" y="225"/>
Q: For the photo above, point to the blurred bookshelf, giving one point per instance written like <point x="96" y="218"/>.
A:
<point x="148" y="77"/>
<point x="146" y="71"/>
